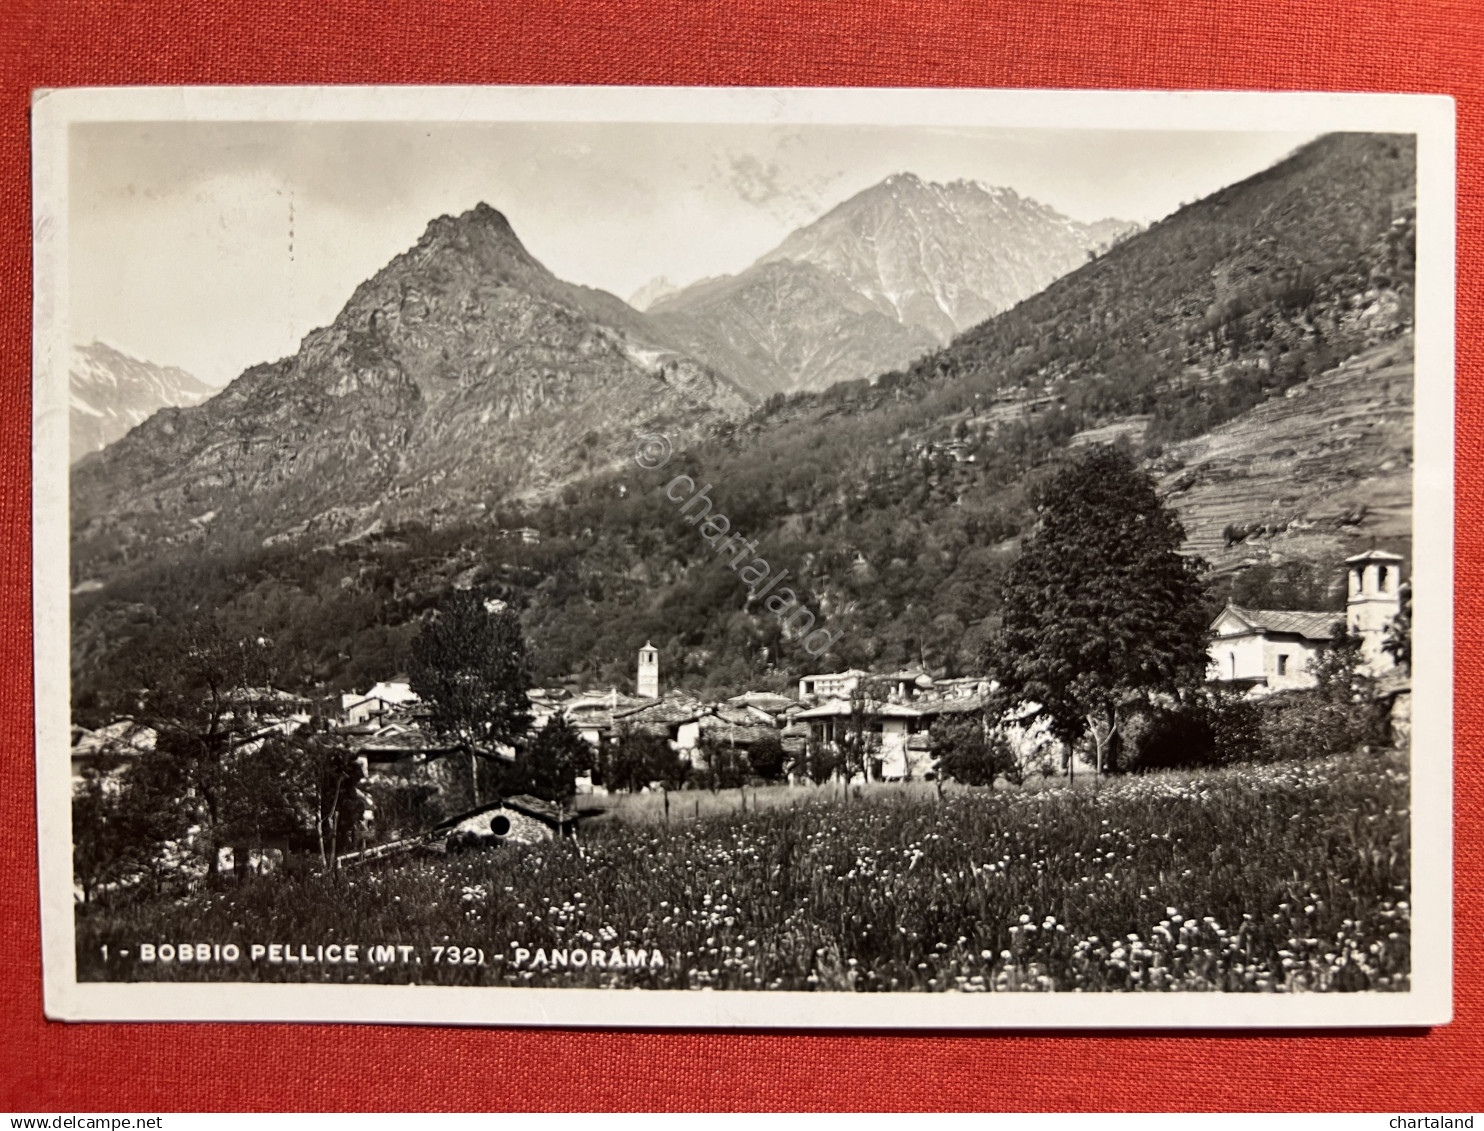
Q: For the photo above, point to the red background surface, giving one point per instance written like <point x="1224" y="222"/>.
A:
<point x="1319" y="44"/>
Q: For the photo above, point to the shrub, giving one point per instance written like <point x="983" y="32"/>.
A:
<point x="724" y="766"/>
<point x="1340" y="714"/>
<point x="1314" y="724"/>
<point x="819" y="762"/>
<point x="970" y="755"/>
<point x="636" y="760"/>
<point x="1165" y="738"/>
<point x="768" y="759"/>
<point x="548" y="767"/>
<point x="1214" y="727"/>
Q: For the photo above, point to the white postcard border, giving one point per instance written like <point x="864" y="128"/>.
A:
<point x="1430" y="117"/>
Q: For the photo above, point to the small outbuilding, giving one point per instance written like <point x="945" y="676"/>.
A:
<point x="512" y="820"/>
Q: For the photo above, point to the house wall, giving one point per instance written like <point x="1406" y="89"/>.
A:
<point x="1237" y="657"/>
<point x="823" y="686"/>
<point x="1302" y="656"/>
<point x="1255" y="655"/>
<point x="894" y="761"/>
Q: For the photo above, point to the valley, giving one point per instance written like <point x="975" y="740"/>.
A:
<point x="468" y="421"/>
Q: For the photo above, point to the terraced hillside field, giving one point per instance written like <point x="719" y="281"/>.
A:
<point x="1320" y="473"/>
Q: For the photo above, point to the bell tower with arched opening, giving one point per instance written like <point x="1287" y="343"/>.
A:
<point x="1373" y="600"/>
<point x="649" y="672"/>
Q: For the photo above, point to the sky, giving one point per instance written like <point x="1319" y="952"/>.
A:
<point x="214" y="246"/>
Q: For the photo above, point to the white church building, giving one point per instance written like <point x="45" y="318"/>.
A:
<point x="1269" y="650"/>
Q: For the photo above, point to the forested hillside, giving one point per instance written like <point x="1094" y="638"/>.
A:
<point x="896" y="503"/>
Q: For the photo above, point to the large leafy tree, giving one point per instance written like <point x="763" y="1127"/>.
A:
<point x="469" y="666"/>
<point x="1101" y="610"/>
<point x="207" y="693"/>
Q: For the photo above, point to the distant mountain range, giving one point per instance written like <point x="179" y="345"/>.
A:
<point x="112" y="392"/>
<point x="877" y="281"/>
<point x="465" y="374"/>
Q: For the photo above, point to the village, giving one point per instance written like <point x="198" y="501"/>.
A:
<point x="408" y="774"/>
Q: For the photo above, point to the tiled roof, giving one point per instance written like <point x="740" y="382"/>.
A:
<point x="764" y="701"/>
<point x="959" y="705"/>
<point x="837" y="708"/>
<point x="122" y="737"/>
<point x="669" y="711"/>
<point x="1311" y="626"/>
<point x="590" y="716"/>
<point x="742" y="716"/>
<point x="541" y="810"/>
<point x="742" y="735"/>
<point x="401" y="740"/>
<point x="545" y="811"/>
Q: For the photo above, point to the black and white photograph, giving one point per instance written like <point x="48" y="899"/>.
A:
<point x="881" y="558"/>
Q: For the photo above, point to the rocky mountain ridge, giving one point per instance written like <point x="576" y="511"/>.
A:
<point x="783" y="325"/>
<point x="462" y="375"/>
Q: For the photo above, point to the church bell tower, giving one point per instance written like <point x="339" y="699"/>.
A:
<point x="1372" y="603"/>
<point x="649" y="672"/>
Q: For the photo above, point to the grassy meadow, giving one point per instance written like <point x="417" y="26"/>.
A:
<point x="1286" y="877"/>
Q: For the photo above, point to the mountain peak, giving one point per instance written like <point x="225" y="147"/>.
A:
<point x="652" y="292"/>
<point x="942" y="257"/>
<point x="460" y="254"/>
<point x="480" y="222"/>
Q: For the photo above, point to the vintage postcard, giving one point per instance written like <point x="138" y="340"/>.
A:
<point x="776" y="558"/>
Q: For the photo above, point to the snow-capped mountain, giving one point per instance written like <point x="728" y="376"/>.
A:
<point x="877" y="281"/>
<point x="946" y="257"/>
<point x="112" y="392"/>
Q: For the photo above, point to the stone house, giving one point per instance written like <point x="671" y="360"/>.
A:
<point x="1267" y="650"/>
<point x="826" y="685"/>
<point x="887" y="727"/>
